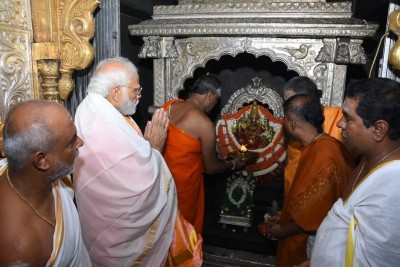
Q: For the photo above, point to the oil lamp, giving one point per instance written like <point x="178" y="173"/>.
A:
<point x="244" y="154"/>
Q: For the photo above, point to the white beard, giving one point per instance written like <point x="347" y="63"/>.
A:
<point x="128" y="107"/>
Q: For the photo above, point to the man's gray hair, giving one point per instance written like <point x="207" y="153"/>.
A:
<point x="103" y="81"/>
<point x="19" y="144"/>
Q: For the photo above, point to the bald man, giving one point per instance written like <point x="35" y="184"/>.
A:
<point x="39" y="224"/>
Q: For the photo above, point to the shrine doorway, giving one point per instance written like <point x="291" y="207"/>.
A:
<point x="236" y="73"/>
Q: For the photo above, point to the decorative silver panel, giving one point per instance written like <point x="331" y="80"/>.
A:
<point x="314" y="38"/>
<point x="186" y="2"/>
<point x="236" y="220"/>
<point x="262" y="8"/>
<point x="16" y="80"/>
<point x="195" y="52"/>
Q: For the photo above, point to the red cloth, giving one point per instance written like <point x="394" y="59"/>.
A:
<point x="184" y="158"/>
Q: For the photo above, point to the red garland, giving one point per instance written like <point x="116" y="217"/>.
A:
<point x="230" y="145"/>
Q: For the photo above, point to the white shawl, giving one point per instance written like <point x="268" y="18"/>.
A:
<point x="373" y="211"/>
<point x="125" y="192"/>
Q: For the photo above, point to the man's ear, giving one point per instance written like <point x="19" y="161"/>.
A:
<point x="208" y="96"/>
<point x="40" y="161"/>
<point x="293" y="124"/>
<point x="380" y="129"/>
<point x="115" y="93"/>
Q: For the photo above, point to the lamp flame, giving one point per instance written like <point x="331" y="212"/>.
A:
<point x="243" y="148"/>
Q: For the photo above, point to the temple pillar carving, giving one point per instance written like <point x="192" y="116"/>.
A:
<point x="162" y="50"/>
<point x="61" y="42"/>
<point x="41" y="43"/>
<point x="49" y="73"/>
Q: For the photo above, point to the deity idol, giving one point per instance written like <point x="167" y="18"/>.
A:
<point x="253" y="130"/>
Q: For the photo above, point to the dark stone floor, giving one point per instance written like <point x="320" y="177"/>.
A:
<point x="223" y="257"/>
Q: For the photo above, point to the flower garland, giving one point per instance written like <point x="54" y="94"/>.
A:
<point x="270" y="156"/>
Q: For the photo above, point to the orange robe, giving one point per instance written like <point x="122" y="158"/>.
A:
<point x="184" y="158"/>
<point x="332" y="116"/>
<point x="320" y="178"/>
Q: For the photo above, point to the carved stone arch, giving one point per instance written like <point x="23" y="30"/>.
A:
<point x="176" y="59"/>
<point x="194" y="53"/>
<point x="276" y="54"/>
<point x="302" y="34"/>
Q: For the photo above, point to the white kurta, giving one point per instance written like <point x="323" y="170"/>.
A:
<point x="124" y="190"/>
<point x="376" y="240"/>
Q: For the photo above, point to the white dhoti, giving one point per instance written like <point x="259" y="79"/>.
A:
<point x="68" y="246"/>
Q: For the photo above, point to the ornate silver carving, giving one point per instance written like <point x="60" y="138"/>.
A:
<point x="357" y="53"/>
<point x="186" y="2"/>
<point x="161" y="85"/>
<point x="255" y="27"/>
<point x="299" y="53"/>
<point x="9" y="10"/>
<point x="12" y="13"/>
<point x="327" y="52"/>
<point x="256" y="90"/>
<point x="151" y="47"/>
<point x="342" y="53"/>
<point x="158" y="47"/>
<point x="244" y="221"/>
<point x="313" y="38"/>
<point x="183" y="2"/>
<point x="16" y="82"/>
<point x="15" y="72"/>
<point x="242" y="8"/>
<point x="319" y="75"/>
<point x="170" y="48"/>
<point x="196" y="52"/>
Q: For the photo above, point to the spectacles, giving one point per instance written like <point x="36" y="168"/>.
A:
<point x="135" y="90"/>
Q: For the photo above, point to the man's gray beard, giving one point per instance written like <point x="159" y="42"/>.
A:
<point x="128" y="107"/>
<point x="61" y="169"/>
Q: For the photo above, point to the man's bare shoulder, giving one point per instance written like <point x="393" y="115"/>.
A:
<point x="199" y="121"/>
<point x="191" y="119"/>
<point x="22" y="242"/>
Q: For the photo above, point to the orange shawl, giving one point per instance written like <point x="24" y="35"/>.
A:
<point x="319" y="180"/>
<point x="184" y="158"/>
<point x="332" y="116"/>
